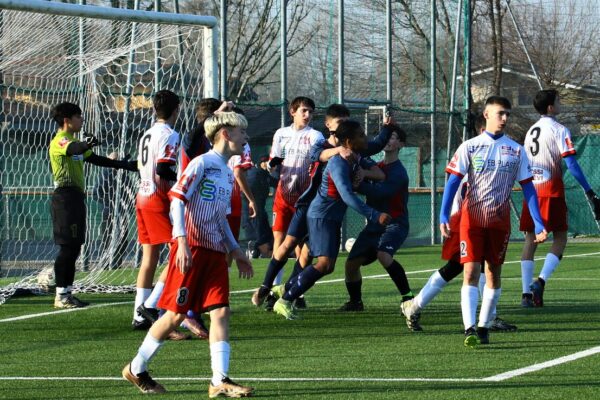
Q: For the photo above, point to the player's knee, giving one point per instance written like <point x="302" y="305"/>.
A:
<point x="384" y="258"/>
<point x="221" y="313"/>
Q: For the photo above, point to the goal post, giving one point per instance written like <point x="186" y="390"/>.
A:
<point x="110" y="62"/>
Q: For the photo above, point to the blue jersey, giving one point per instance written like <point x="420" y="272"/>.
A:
<point x="391" y="195"/>
<point x="335" y="192"/>
<point x="374" y="146"/>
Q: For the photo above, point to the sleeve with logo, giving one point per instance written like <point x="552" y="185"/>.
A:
<point x="524" y="173"/>
<point x="459" y="164"/>
<point x="565" y="144"/>
<point x="276" y="149"/>
<point x="182" y="192"/>
<point x="168" y="147"/>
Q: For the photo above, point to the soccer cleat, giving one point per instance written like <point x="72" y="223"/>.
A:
<point x="353" y="306"/>
<point x="483" y="334"/>
<point x="278" y="290"/>
<point x="471" y="338"/>
<point x="150" y="314"/>
<point x="527" y="300"/>
<point x="500" y="325"/>
<point x="412" y="314"/>
<point x="69" y="301"/>
<point x="537" y="288"/>
<point x="142" y="381"/>
<point x="177" y="336"/>
<point x="260" y="295"/>
<point x="196" y="326"/>
<point x="300" y="303"/>
<point x="285" y="308"/>
<point x="270" y="302"/>
<point x="229" y="388"/>
<point x="142" y="325"/>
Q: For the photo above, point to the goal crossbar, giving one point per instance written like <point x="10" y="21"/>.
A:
<point x="118" y="14"/>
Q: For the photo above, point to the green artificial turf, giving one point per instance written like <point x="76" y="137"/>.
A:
<point x="339" y="355"/>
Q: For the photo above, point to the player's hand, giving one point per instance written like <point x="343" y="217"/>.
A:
<point x="243" y="263"/>
<point x="445" y="230"/>
<point x="388" y="120"/>
<point x="541" y="237"/>
<point x="384" y="219"/>
<point x="347" y="154"/>
<point x="129" y="165"/>
<point x="183" y="258"/>
<point x="251" y="209"/>
<point x="225" y="106"/>
<point x="91" y="140"/>
<point x="595" y="202"/>
<point x="359" y="176"/>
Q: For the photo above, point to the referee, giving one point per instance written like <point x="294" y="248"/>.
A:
<point x="67" y="155"/>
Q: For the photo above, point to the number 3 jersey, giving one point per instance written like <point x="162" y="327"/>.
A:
<point x="159" y="144"/>
<point x="492" y="164"/>
<point x="205" y="187"/>
<point x="547" y="143"/>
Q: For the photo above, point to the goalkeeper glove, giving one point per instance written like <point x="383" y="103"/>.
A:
<point x="91" y="141"/>
<point x="129" y="165"/>
<point x="595" y="202"/>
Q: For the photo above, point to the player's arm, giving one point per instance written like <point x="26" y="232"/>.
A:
<point x="340" y="172"/>
<point x="102" y="161"/>
<point x="377" y="144"/>
<point x="385" y="189"/>
<point x="532" y="202"/>
<point x="240" y="177"/>
<point x="235" y="251"/>
<point x="579" y="176"/>
<point x="450" y="190"/>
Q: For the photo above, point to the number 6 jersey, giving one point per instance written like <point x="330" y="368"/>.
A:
<point x="547" y="143"/>
<point x="159" y="144"/>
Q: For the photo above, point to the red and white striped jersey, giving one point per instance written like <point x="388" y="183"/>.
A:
<point x="546" y="143"/>
<point x="459" y="197"/>
<point x="492" y="166"/>
<point x="205" y="188"/>
<point x="159" y="144"/>
<point x="294" y="147"/>
<point x="243" y="161"/>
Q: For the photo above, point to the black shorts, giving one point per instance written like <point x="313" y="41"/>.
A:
<point x="68" y="216"/>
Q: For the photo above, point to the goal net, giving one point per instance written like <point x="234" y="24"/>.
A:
<point x="111" y="68"/>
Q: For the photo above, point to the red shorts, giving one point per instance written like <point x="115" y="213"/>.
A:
<point x="203" y="288"/>
<point x="154" y="227"/>
<point x="451" y="246"/>
<point x="234" y="225"/>
<point x="478" y="244"/>
<point x="553" y="211"/>
<point x="282" y="213"/>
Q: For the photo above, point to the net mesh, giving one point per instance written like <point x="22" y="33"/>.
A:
<point x="111" y="69"/>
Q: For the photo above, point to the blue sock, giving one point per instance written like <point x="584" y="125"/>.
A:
<point x="292" y="279"/>
<point x="272" y="270"/>
<point x="304" y="281"/>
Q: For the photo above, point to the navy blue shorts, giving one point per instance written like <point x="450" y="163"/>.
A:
<point x="324" y="237"/>
<point x="298" y="227"/>
<point x="374" y="238"/>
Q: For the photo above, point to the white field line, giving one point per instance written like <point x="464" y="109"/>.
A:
<point x="495" y="378"/>
<point x="537" y="367"/>
<point x="379" y="276"/>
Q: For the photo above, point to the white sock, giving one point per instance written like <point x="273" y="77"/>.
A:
<point x="469" y="297"/>
<point x="141" y="294"/>
<point x="550" y="264"/>
<point x="219" y="361"/>
<point x="279" y="278"/>
<point x="481" y="285"/>
<point x="488" y="304"/>
<point x="61" y="292"/>
<point x="527" y="274"/>
<point x="434" y="285"/>
<point x="155" y="295"/>
<point x="145" y="353"/>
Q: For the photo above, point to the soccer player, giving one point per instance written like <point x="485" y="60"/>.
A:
<point x="68" y="210"/>
<point x="492" y="162"/>
<point x="450" y="252"/>
<point x="157" y="155"/>
<point x="326" y="212"/>
<point x="377" y="242"/>
<point x="290" y="149"/>
<point x="548" y="142"/>
<point x="320" y="153"/>
<point x="198" y="278"/>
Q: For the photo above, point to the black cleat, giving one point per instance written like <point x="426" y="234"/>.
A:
<point x="151" y="314"/>
<point x="270" y="302"/>
<point x="484" y="335"/>
<point x="527" y="300"/>
<point x="300" y="303"/>
<point x="471" y="339"/>
<point x="142" y="325"/>
<point x="352" y="306"/>
<point x="500" y="325"/>
<point x="537" y="288"/>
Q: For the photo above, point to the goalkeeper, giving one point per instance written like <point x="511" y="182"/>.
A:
<point x="548" y="142"/>
<point x="67" y="155"/>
